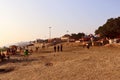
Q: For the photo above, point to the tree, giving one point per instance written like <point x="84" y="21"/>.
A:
<point x="110" y="29"/>
<point x="77" y="36"/>
<point x="66" y="35"/>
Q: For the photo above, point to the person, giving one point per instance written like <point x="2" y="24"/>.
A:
<point x="88" y="45"/>
<point x="84" y="44"/>
<point x="31" y="51"/>
<point x="54" y="48"/>
<point x="8" y="54"/>
<point x="20" y="50"/>
<point x="2" y="56"/>
<point x="58" y="48"/>
<point x="61" y="47"/>
<point x="26" y="52"/>
<point x="37" y="49"/>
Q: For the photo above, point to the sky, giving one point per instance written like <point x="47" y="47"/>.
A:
<point x="27" y="20"/>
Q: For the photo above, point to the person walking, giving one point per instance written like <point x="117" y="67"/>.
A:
<point x="88" y="45"/>
<point x="58" y="47"/>
<point x="54" y="48"/>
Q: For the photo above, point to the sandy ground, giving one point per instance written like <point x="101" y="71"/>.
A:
<point x="74" y="63"/>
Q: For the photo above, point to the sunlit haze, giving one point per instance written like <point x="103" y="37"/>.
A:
<point x="26" y="20"/>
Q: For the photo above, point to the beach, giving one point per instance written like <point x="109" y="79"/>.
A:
<point x="74" y="63"/>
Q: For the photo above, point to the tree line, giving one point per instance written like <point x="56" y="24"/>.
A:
<point x="75" y="36"/>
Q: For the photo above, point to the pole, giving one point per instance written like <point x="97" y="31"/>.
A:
<point x="50" y="32"/>
<point x="68" y="36"/>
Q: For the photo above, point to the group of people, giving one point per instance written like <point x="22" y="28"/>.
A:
<point x="4" y="55"/>
<point x="58" y="48"/>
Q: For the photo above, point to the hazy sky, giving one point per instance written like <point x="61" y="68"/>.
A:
<point x="24" y="20"/>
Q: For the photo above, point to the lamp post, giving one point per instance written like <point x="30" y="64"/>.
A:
<point x="67" y="31"/>
<point x="68" y="36"/>
<point x="50" y="32"/>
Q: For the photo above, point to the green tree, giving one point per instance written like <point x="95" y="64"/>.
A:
<point x="110" y="29"/>
<point x="77" y="36"/>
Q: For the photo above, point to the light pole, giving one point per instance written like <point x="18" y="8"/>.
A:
<point x="50" y="32"/>
<point x="68" y="36"/>
<point x="67" y="32"/>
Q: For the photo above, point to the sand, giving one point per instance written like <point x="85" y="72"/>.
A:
<point x="74" y="63"/>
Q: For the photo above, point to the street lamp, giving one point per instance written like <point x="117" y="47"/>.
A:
<point x="50" y="32"/>
<point x="68" y="36"/>
<point x="67" y="31"/>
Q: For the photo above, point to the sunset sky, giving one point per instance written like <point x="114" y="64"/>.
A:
<point x="25" y="20"/>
